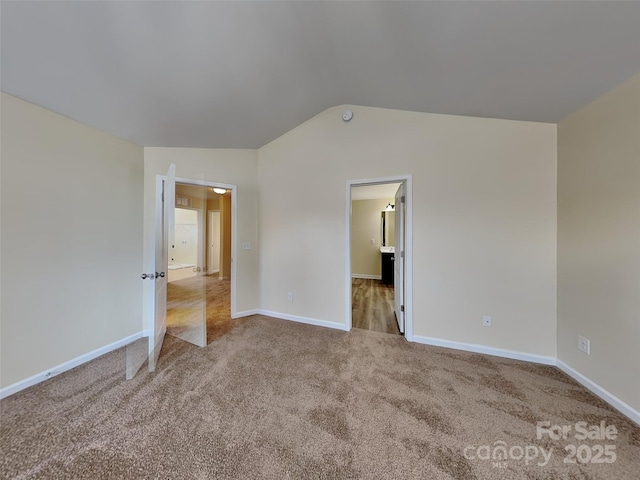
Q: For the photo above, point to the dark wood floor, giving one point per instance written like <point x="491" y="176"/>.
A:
<point x="372" y="306"/>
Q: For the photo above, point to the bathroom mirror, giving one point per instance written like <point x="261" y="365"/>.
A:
<point x="387" y="228"/>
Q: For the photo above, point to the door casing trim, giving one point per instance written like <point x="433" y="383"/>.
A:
<point x="234" y="233"/>
<point x="408" y="253"/>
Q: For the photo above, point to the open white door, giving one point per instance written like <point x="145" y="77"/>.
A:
<point x="398" y="274"/>
<point x="139" y="351"/>
<point x="165" y="231"/>
<point x="185" y="297"/>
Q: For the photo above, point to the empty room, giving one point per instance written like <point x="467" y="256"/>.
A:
<point x="246" y="239"/>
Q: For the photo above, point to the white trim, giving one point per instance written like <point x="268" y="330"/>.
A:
<point x="364" y="275"/>
<point x="611" y="399"/>
<point x="408" y="254"/>
<point x="245" y="313"/>
<point x="496" y="352"/>
<point x="63" y="367"/>
<point x="608" y="397"/>
<point x="307" y="320"/>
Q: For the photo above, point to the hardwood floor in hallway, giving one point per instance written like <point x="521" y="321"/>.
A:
<point x="185" y="299"/>
<point x="372" y="306"/>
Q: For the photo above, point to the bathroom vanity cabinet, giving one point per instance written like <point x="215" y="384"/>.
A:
<point x="387" y="267"/>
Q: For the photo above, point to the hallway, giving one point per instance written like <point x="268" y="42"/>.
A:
<point x="184" y="305"/>
<point x="372" y="306"/>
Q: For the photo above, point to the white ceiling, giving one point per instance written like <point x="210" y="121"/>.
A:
<point x="374" y="192"/>
<point x="239" y="74"/>
<point x="196" y="191"/>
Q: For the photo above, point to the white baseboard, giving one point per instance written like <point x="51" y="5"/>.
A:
<point x="63" y="367"/>
<point x="608" y="397"/>
<point x="307" y="320"/>
<point x="496" y="352"/>
<point x="364" y="275"/>
<point x="246" y="313"/>
<point x="611" y="399"/>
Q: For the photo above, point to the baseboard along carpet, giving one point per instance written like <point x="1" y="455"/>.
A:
<point x="276" y="399"/>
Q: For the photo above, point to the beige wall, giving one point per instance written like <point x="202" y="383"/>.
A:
<point x="599" y="241"/>
<point x="484" y="220"/>
<point x="71" y="239"/>
<point x="365" y="226"/>
<point x="213" y="204"/>
<point x="229" y="166"/>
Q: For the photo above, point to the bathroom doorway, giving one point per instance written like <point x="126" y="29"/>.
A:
<point x="379" y="246"/>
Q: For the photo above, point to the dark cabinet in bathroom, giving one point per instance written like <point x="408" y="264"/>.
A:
<point x="387" y="268"/>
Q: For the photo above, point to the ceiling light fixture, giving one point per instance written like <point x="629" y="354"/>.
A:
<point x="219" y="191"/>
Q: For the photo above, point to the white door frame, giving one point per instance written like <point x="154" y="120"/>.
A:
<point x="408" y="254"/>
<point x="234" y="232"/>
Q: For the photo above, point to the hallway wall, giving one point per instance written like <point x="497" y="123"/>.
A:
<point x="365" y="226"/>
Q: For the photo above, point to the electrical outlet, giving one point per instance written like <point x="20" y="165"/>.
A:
<point x="290" y="296"/>
<point x="373" y="241"/>
<point x="246" y="245"/>
<point x="584" y="345"/>
<point x="486" y="321"/>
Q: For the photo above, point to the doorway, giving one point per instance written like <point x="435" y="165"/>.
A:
<point x="199" y="284"/>
<point x="379" y="274"/>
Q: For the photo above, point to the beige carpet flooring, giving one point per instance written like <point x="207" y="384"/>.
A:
<point x="275" y="399"/>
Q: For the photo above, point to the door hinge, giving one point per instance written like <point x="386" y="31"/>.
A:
<point x="402" y="308"/>
<point x="402" y="254"/>
<point x="402" y="199"/>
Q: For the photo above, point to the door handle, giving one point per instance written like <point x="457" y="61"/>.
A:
<point x="144" y="276"/>
<point x="161" y="274"/>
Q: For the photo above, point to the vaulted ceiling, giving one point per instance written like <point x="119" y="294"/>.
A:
<point x="239" y="74"/>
